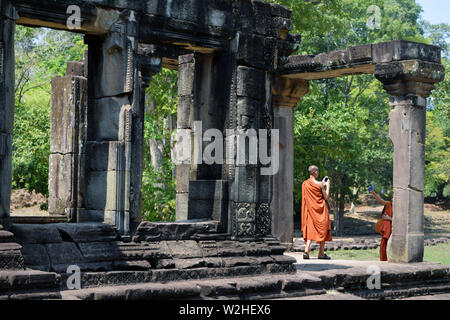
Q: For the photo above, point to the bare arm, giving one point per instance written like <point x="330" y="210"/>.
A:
<point x="381" y="201"/>
<point x="325" y="192"/>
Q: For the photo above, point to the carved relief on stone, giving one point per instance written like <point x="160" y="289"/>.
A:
<point x="263" y="219"/>
<point x="125" y="123"/>
<point x="130" y="68"/>
<point x="244" y="220"/>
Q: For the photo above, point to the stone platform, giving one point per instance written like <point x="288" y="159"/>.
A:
<point x="37" y="259"/>
<point x="313" y="279"/>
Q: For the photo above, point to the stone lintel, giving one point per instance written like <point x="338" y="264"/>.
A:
<point x="287" y="92"/>
<point x="359" y="60"/>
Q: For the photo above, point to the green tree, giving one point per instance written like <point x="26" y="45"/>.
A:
<point x="158" y="179"/>
<point x="40" y="55"/>
<point x="342" y="124"/>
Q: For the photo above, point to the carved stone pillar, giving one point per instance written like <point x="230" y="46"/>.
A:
<point x="115" y="117"/>
<point x="7" y="26"/>
<point x="286" y="94"/>
<point x="67" y="143"/>
<point x="409" y="83"/>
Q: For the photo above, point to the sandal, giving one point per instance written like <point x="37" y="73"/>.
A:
<point x="305" y="256"/>
<point x="324" y="257"/>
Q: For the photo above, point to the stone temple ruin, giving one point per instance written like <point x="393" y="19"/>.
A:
<point x="235" y="72"/>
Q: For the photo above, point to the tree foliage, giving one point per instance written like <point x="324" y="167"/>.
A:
<point x="40" y="55"/>
<point x="342" y="125"/>
<point x="158" y="180"/>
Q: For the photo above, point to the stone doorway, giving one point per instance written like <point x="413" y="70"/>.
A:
<point x="41" y="150"/>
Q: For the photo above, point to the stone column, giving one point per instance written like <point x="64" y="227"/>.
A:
<point x="67" y="143"/>
<point x="8" y="16"/>
<point x="185" y="122"/>
<point x="409" y="83"/>
<point x="286" y="95"/>
<point x="115" y="115"/>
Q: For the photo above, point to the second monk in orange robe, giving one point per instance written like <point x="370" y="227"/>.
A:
<point x="316" y="224"/>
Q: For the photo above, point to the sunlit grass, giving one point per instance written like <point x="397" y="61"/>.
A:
<point x="438" y="253"/>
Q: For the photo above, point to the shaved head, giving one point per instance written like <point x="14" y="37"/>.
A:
<point x="312" y="169"/>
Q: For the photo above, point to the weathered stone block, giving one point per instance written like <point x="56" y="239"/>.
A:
<point x="244" y="188"/>
<point x="182" y="178"/>
<point x="186" y="79"/>
<point x="207" y="189"/>
<point x="88" y="232"/>
<point x="64" y="253"/>
<point x="6" y="236"/>
<point x="99" y="251"/>
<point x="360" y="54"/>
<point x="105" y="156"/>
<point x="263" y="58"/>
<point x="69" y="99"/>
<point x="185" y="112"/>
<point x="35" y="234"/>
<point x="213" y="262"/>
<point x="5" y="144"/>
<point x="112" y="65"/>
<point x="103" y="190"/>
<point x="189" y="263"/>
<point x="131" y="265"/>
<point x="180" y="230"/>
<point x="414" y="77"/>
<point x="61" y="183"/>
<point x="5" y="180"/>
<point x="405" y="50"/>
<point x="7" y="76"/>
<point x="250" y="83"/>
<point x="98" y="216"/>
<point x="182" y="200"/>
<point x="407" y="132"/>
<point x="338" y="57"/>
<point x="247" y="113"/>
<point x="36" y="257"/>
<point x="104" y="118"/>
<point x="263" y="19"/>
<point x="184" y="249"/>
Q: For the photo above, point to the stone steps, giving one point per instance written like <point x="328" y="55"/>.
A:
<point x="29" y="284"/>
<point x="398" y="282"/>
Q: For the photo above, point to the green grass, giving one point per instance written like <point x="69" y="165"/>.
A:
<point x="438" y="253"/>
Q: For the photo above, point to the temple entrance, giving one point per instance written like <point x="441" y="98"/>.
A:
<point x="43" y="142"/>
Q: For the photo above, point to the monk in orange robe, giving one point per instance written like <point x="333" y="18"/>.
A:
<point x="386" y="227"/>
<point x="316" y="225"/>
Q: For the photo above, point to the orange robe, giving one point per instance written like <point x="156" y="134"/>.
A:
<point x="386" y="230"/>
<point x="316" y="224"/>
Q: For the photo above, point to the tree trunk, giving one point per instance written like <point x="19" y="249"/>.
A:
<point x="340" y="214"/>
<point x="156" y="148"/>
